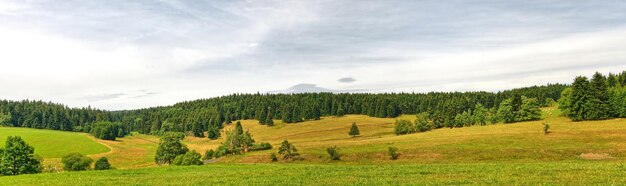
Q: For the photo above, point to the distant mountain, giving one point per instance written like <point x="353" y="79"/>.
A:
<point x="302" y="88"/>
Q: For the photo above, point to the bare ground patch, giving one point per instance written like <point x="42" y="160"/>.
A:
<point x="596" y="156"/>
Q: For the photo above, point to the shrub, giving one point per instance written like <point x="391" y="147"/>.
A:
<point x="261" y="146"/>
<point x="76" y="162"/>
<point x="288" y="151"/>
<point x="403" y="127"/>
<point x="209" y="154"/>
<point x="393" y="153"/>
<point x="102" y="164"/>
<point x="189" y="158"/>
<point x="333" y="152"/>
<point x="273" y="157"/>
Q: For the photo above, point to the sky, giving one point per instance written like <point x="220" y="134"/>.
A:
<point x="119" y="54"/>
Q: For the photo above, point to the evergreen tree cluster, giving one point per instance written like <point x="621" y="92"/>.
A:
<point x="210" y="115"/>
<point x="108" y="130"/>
<point x="601" y="97"/>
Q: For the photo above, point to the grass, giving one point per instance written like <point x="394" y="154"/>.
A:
<point x="574" y="153"/>
<point x="552" y="173"/>
<point x="54" y="144"/>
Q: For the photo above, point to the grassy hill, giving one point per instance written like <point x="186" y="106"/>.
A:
<point x="591" y="152"/>
<point x="52" y="143"/>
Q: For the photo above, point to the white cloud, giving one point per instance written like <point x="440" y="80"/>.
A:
<point x="128" y="54"/>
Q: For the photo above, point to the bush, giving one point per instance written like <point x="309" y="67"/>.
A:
<point x="333" y="152"/>
<point x="273" y="157"/>
<point x="102" y="164"/>
<point x="403" y="127"/>
<point x="189" y="158"/>
<point x="546" y="127"/>
<point x="288" y="151"/>
<point x="261" y="146"/>
<point x="76" y="162"/>
<point x="393" y="153"/>
<point x="209" y="154"/>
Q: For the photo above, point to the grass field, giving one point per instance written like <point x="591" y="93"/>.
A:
<point x="561" y="173"/>
<point x="54" y="144"/>
<point x="575" y="153"/>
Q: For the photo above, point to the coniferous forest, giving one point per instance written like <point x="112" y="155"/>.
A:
<point x="602" y="97"/>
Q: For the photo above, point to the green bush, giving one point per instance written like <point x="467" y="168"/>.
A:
<point x="393" y="153"/>
<point x="189" y="158"/>
<point x="102" y="164"/>
<point x="209" y="154"/>
<point x="333" y="152"/>
<point x="403" y="127"/>
<point x="76" y="162"/>
<point x="273" y="157"/>
<point x="261" y="146"/>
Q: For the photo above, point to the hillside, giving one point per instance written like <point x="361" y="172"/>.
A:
<point x="581" y="152"/>
<point x="54" y="144"/>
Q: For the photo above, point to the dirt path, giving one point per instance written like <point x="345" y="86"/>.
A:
<point x="111" y="149"/>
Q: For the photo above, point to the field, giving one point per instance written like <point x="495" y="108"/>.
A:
<point x="54" y="144"/>
<point x="574" y="153"/>
<point x="562" y="173"/>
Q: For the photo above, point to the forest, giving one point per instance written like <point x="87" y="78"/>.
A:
<point x="209" y="115"/>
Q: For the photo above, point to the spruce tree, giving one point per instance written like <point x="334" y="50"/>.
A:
<point x="354" y="130"/>
<point x="580" y="101"/>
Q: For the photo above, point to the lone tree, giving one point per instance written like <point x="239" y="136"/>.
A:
<point x="102" y="164"/>
<point x="288" y="150"/>
<point x="170" y="146"/>
<point x="354" y="130"/>
<point x="18" y="158"/>
<point x="76" y="162"/>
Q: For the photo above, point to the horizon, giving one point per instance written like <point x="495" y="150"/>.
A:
<point x="133" y="55"/>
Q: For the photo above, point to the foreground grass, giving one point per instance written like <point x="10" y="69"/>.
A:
<point x="560" y="173"/>
<point x="52" y="143"/>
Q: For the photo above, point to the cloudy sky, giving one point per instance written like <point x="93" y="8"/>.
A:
<point x="119" y="54"/>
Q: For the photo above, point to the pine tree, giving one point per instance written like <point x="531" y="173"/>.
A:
<point x="580" y="100"/>
<point x="354" y="130"/>
<point x="600" y="98"/>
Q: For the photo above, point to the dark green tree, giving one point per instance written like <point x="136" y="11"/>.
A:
<point x="102" y="164"/>
<point x="354" y="130"/>
<point x="581" y="106"/>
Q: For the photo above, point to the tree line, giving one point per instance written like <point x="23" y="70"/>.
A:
<point x="209" y="115"/>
